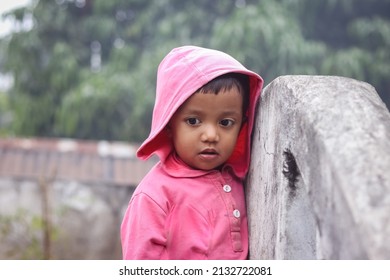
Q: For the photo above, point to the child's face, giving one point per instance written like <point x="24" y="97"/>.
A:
<point x="205" y="128"/>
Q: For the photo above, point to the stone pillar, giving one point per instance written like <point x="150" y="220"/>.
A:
<point x="319" y="181"/>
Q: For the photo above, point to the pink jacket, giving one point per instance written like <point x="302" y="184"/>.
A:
<point x="177" y="212"/>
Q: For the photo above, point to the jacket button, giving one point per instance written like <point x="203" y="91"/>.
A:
<point x="236" y="213"/>
<point x="227" y="188"/>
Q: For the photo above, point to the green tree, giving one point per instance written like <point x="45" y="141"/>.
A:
<point x="357" y="36"/>
<point x="273" y="40"/>
<point x="87" y="69"/>
<point x="44" y="64"/>
<point x="61" y="89"/>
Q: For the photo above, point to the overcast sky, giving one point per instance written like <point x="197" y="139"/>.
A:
<point x="5" y="27"/>
<point x="6" y="5"/>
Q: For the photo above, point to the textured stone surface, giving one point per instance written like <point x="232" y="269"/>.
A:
<point x="319" y="182"/>
<point x="85" y="219"/>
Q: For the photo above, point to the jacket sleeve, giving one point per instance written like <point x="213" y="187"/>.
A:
<point x="142" y="231"/>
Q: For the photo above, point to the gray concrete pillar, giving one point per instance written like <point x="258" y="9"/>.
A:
<point x="319" y="181"/>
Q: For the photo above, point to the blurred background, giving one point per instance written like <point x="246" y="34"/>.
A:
<point x="86" y="70"/>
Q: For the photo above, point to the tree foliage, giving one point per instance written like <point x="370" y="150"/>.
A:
<point x="86" y="68"/>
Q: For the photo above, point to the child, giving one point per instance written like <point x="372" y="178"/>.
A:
<point x="191" y="205"/>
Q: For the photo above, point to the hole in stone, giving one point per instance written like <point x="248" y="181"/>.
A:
<point x="290" y="169"/>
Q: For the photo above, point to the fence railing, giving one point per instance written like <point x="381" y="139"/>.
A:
<point x="319" y="182"/>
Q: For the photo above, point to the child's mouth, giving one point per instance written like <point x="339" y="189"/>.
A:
<point x="209" y="154"/>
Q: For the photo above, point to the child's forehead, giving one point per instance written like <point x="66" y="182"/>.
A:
<point x="201" y="101"/>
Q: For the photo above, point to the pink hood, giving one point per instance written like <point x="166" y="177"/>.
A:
<point x="182" y="72"/>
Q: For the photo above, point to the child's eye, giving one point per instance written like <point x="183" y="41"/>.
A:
<point x="226" y="122"/>
<point x="193" y="121"/>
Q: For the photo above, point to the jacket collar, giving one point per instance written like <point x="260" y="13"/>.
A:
<point x="177" y="168"/>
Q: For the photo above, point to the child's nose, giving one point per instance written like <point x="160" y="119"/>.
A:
<point x="210" y="134"/>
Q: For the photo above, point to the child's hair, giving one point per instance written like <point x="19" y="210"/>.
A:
<point x="226" y="82"/>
